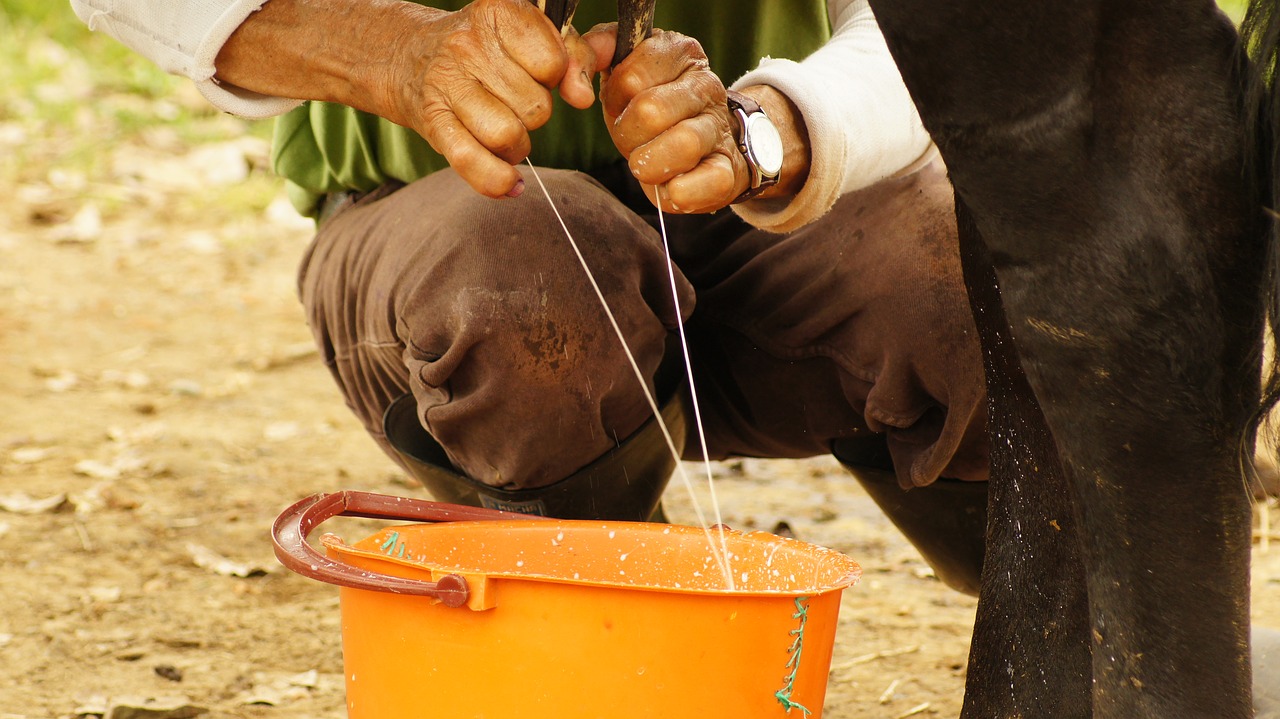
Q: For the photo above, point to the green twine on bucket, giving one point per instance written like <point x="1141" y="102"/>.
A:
<point x="783" y="695"/>
<point x="389" y="546"/>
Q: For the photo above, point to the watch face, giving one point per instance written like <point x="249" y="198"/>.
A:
<point x="765" y="144"/>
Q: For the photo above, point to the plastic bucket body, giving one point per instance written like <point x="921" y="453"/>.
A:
<point x="584" y="619"/>
<point x="578" y="619"/>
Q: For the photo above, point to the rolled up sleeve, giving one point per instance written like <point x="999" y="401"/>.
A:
<point x="183" y="37"/>
<point x="862" y="124"/>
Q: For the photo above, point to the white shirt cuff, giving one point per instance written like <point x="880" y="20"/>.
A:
<point x="862" y="125"/>
<point x="183" y="37"/>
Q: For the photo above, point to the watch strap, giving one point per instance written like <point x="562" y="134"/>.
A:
<point x="741" y="107"/>
<point x="738" y="101"/>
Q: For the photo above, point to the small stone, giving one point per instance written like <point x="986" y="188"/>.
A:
<point x="153" y="708"/>
<point x="21" y="503"/>
<point x="103" y="595"/>
<point x="30" y="455"/>
<point x="91" y="705"/>
<point x="168" y="671"/>
<point x="186" y="388"/>
<point x="281" y="431"/>
<point x="63" y="382"/>
<point x="85" y="226"/>
<point x="202" y="243"/>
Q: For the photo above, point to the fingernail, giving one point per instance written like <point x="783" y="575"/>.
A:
<point x="517" y="190"/>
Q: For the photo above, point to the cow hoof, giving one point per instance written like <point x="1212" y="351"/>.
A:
<point x="1266" y="673"/>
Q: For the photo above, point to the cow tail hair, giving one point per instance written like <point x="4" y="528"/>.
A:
<point x="1260" y="38"/>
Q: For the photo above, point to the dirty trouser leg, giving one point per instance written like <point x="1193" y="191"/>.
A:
<point x="857" y="324"/>
<point x="853" y="336"/>
<point x="854" y="325"/>
<point x="480" y="309"/>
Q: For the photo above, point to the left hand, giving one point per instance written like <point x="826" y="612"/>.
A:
<point x="666" y="112"/>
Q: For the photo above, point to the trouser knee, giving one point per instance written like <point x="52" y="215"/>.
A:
<point x="511" y="354"/>
<point x="480" y="309"/>
<point x="625" y="483"/>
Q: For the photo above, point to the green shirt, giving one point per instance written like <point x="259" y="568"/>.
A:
<point x="322" y="147"/>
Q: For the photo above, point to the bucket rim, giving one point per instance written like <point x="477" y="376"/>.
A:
<point x="846" y="574"/>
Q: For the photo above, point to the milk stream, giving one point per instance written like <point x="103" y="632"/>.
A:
<point x="718" y="551"/>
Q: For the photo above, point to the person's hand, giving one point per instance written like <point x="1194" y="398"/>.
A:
<point x="474" y="82"/>
<point x="666" y="112"/>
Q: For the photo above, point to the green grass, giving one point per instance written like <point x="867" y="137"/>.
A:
<point x="71" y="97"/>
<point x="1234" y="8"/>
<point x="43" y="42"/>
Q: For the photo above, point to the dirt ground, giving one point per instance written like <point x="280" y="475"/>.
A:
<point x="162" y="403"/>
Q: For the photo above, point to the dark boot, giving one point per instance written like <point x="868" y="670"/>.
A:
<point x="946" y="521"/>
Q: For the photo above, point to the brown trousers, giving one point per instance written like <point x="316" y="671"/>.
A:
<point x="855" y="324"/>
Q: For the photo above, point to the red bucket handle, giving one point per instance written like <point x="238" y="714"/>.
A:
<point x="290" y="531"/>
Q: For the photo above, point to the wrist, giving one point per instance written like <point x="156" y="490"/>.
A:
<point x="758" y="143"/>
<point x="788" y="121"/>
<point x="389" y="69"/>
<point x="278" y="50"/>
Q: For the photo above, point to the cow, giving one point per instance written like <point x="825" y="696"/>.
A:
<point x="1113" y="166"/>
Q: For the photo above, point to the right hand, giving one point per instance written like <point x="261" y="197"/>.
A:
<point x="475" y="82"/>
<point x="666" y="112"/>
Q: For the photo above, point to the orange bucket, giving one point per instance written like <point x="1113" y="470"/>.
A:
<point x="502" y="616"/>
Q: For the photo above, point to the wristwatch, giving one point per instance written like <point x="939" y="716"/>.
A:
<point x="759" y="141"/>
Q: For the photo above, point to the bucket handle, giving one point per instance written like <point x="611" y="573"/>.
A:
<point x="290" y="531"/>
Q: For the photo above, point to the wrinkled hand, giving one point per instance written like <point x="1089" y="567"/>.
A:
<point x="475" y="82"/>
<point x="666" y="112"/>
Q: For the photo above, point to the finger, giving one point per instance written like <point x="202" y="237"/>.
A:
<point x="661" y="59"/>
<point x="532" y="41"/>
<point x="710" y="186"/>
<point x="603" y="39"/>
<point x="678" y="150"/>
<point x="658" y="109"/>
<point x="486" y="173"/>
<point x="576" y="88"/>
<point x="526" y="99"/>
<point x="480" y="55"/>
<point x="492" y="123"/>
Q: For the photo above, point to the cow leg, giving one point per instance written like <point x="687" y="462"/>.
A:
<point x="1150" y="451"/>
<point x="1030" y="654"/>
<point x="1098" y="147"/>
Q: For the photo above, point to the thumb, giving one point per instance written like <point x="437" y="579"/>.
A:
<point x="603" y="39"/>
<point x="576" y="87"/>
